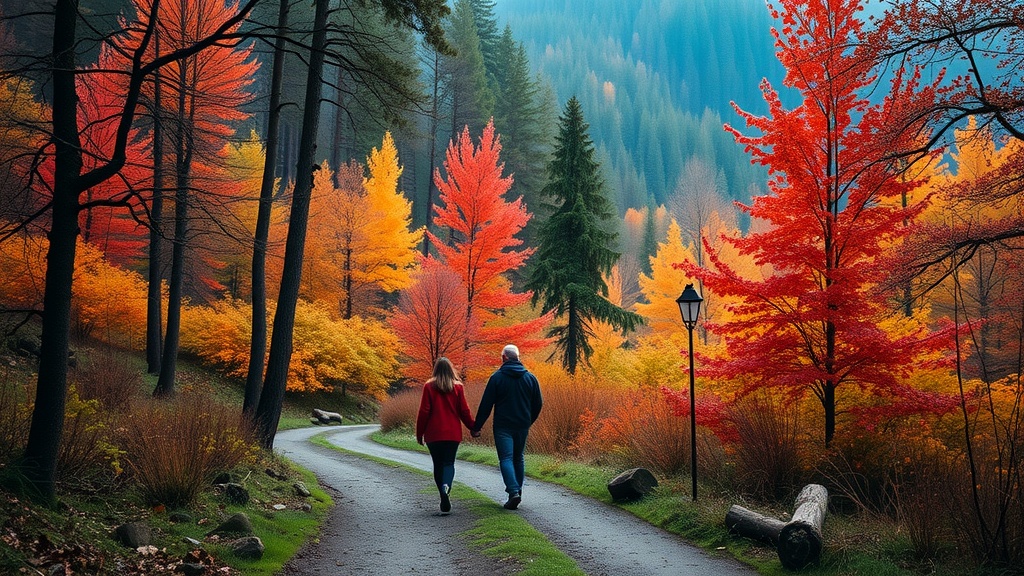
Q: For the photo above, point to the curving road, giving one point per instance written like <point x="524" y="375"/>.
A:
<point x="413" y="538"/>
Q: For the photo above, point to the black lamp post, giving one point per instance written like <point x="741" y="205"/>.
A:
<point x="689" y="307"/>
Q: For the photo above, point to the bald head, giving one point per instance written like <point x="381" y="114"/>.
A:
<point x="510" y="352"/>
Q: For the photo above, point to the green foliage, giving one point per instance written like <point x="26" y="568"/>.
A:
<point x="575" y="252"/>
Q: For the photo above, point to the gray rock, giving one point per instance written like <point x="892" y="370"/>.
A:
<point x="632" y="484"/>
<point x="190" y="569"/>
<point x="250" y="548"/>
<point x="301" y="489"/>
<point x="133" y="534"/>
<point x="235" y="524"/>
<point x="58" y="570"/>
<point x="192" y="542"/>
<point x="236" y="494"/>
<point x="275" y="474"/>
<point x="306" y="507"/>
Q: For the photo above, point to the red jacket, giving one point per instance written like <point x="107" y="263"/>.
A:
<point x="440" y="414"/>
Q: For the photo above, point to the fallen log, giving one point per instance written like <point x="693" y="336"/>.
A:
<point x="800" y="541"/>
<point x="750" y="524"/>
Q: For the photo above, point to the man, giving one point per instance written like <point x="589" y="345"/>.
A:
<point x="514" y="394"/>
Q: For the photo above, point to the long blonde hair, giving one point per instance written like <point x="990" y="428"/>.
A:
<point x="444" y="376"/>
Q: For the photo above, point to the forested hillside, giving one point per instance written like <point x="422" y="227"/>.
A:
<point x="655" y="79"/>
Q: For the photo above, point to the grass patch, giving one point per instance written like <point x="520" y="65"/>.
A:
<point x="495" y="533"/>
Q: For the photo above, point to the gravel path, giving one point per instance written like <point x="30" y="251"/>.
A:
<point x="383" y="524"/>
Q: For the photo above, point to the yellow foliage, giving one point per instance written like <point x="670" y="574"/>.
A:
<point x="665" y="283"/>
<point x="388" y="255"/>
<point x="360" y="242"/>
<point x="327" y="353"/>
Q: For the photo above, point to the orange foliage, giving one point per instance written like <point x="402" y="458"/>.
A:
<point x="109" y="302"/>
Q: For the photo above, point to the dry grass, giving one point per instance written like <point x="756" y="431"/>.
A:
<point x="399" y="411"/>
<point x="174" y="448"/>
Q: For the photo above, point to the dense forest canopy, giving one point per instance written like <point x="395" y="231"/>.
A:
<point x="656" y="79"/>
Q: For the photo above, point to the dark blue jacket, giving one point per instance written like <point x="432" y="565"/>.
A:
<point x="514" y="394"/>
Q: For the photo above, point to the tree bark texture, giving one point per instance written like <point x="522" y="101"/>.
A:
<point x="750" y="524"/>
<point x="258" y="342"/>
<point x="268" y="412"/>
<point x="39" y="461"/>
<point x="800" y="541"/>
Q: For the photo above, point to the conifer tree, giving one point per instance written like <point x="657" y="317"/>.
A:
<point x="574" y="252"/>
<point x="472" y="101"/>
<point x="520" y="116"/>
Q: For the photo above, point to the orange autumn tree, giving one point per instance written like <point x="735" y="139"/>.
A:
<point x="430" y="321"/>
<point x="814" y="324"/>
<point x="361" y="242"/>
<point x="481" y="244"/>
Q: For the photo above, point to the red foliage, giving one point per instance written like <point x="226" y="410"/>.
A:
<point x="815" y="322"/>
<point x="430" y="321"/>
<point x="482" y="244"/>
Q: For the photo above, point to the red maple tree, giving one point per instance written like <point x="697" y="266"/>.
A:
<point x="815" y="323"/>
<point x="481" y="245"/>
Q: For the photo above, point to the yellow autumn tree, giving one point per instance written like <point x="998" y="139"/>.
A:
<point x="665" y="283"/>
<point x="243" y="165"/>
<point x="387" y="256"/>
<point x="360" y="242"/>
<point x="985" y="285"/>
<point x="22" y="127"/>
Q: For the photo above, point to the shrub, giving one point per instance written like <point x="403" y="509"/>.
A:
<point x="767" y="446"/>
<point x="15" y="414"/>
<point x="567" y="401"/>
<point x="645" y="430"/>
<point x="175" y="447"/>
<point x="399" y="411"/>
<point x="110" y="378"/>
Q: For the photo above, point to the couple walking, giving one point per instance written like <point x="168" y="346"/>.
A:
<point x="512" y="392"/>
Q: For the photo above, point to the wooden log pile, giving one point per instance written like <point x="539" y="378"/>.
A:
<point x="798" y="542"/>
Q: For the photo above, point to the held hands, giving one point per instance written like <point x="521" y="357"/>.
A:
<point x="419" y="440"/>
<point x="474" y="433"/>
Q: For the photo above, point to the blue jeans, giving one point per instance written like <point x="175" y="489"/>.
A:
<point x="510" y="444"/>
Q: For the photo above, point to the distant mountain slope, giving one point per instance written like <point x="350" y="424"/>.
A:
<point x="655" y="78"/>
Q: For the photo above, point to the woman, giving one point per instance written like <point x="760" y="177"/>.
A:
<point x="443" y="408"/>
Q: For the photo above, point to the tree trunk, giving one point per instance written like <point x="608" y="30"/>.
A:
<point x="800" y="540"/>
<point x="154" y="293"/>
<point x="268" y="412"/>
<point x="183" y="169"/>
<point x="752" y="525"/>
<point x="258" y="341"/>
<point x="39" y="461"/>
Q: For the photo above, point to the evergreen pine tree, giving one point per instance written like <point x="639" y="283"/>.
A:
<point x="574" y="251"/>
<point x="472" y="101"/>
<point x="520" y="115"/>
<point x="487" y="32"/>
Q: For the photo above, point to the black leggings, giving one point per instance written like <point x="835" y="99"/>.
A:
<point x="443" y="455"/>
